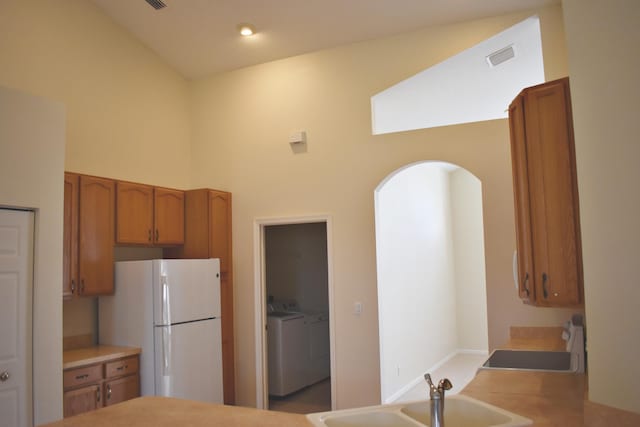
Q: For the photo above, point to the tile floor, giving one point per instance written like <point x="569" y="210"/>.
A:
<point x="315" y="398"/>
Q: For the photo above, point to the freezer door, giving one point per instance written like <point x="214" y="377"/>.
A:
<point x="189" y="361"/>
<point x="185" y="290"/>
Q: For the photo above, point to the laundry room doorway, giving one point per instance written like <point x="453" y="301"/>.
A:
<point x="293" y="299"/>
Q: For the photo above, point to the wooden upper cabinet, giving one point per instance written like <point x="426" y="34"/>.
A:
<point x="169" y="216"/>
<point x="546" y="196"/>
<point x="147" y="215"/>
<point x="96" y="235"/>
<point x="134" y="213"/>
<point x="70" y="233"/>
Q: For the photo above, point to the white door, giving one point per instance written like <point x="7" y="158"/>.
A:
<point x="16" y="265"/>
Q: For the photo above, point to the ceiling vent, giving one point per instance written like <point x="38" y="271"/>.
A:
<point x="500" y="56"/>
<point x="156" y="4"/>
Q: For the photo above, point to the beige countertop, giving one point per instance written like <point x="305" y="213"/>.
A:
<point x="96" y="354"/>
<point x="153" y="411"/>
<point x="549" y="399"/>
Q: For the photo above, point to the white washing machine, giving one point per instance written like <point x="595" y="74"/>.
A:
<point x="288" y="352"/>
<point x="319" y="364"/>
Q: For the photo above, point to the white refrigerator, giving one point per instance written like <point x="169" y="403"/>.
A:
<point x="170" y="309"/>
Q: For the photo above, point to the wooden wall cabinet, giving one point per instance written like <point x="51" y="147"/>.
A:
<point x="96" y="235"/>
<point x="70" y="233"/>
<point x="88" y="235"/>
<point x="546" y="196"/>
<point x="87" y="388"/>
<point x="208" y="235"/>
<point x="168" y="214"/>
<point x="147" y="215"/>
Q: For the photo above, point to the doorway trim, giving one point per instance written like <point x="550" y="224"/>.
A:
<point x="259" y="224"/>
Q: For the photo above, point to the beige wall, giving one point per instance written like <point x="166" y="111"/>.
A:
<point x="31" y="170"/>
<point x="603" y="40"/>
<point x="127" y="112"/>
<point x="468" y="250"/>
<point x="242" y="121"/>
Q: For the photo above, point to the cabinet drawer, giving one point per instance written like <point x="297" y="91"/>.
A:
<point x="121" y="367"/>
<point x="79" y="376"/>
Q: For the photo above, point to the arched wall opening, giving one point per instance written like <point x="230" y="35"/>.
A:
<point x="432" y="300"/>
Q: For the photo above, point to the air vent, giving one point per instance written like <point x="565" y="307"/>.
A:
<point x="156" y="4"/>
<point x="500" y="56"/>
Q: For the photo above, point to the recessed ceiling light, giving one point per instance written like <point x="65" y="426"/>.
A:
<point x="246" y="29"/>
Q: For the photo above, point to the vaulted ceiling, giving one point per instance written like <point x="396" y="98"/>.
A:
<point x="199" y="37"/>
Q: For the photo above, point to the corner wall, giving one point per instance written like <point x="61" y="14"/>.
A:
<point x="31" y="172"/>
<point x="605" y="94"/>
<point x="469" y="261"/>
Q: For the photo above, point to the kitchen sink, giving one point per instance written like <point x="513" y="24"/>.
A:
<point x="459" y="411"/>
<point x="530" y="360"/>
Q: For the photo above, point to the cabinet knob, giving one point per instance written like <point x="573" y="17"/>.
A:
<point x="4" y="376"/>
<point x="109" y="392"/>
<point x="81" y="286"/>
<point x="149" y="235"/>
<point x="73" y="286"/>
<point x="98" y="395"/>
<point x="545" y="292"/>
<point x="157" y="235"/>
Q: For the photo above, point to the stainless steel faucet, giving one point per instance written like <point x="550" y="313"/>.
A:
<point x="436" y="394"/>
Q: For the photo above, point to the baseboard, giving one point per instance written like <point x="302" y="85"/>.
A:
<point x="401" y="392"/>
<point x="476" y="352"/>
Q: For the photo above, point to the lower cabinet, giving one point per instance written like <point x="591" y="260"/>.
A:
<point x="121" y="389"/>
<point x="82" y="400"/>
<point x="87" y="388"/>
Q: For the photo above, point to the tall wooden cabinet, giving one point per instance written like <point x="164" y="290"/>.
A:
<point x="208" y="235"/>
<point x="546" y="196"/>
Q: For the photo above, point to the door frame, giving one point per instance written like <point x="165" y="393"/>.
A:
<point x="262" y="371"/>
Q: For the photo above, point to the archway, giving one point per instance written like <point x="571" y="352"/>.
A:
<point x="431" y="271"/>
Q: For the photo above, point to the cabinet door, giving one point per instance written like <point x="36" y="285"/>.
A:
<point x="121" y="389"/>
<point x="96" y="235"/>
<point x="526" y="290"/>
<point x="70" y="233"/>
<point x="553" y="195"/>
<point x="82" y="400"/>
<point x="220" y="228"/>
<point x="220" y="247"/>
<point x="134" y="214"/>
<point x="169" y="216"/>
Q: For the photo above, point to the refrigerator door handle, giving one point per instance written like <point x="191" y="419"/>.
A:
<point x="166" y="351"/>
<point x="166" y="320"/>
<point x="165" y="383"/>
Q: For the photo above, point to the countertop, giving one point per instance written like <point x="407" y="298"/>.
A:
<point x="153" y="411"/>
<point x="96" y="354"/>
<point x="549" y="399"/>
